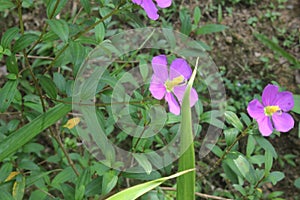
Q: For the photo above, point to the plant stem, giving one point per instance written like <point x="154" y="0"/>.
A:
<point x="80" y="34"/>
<point x="44" y="28"/>
<point x="226" y="152"/>
<point x="39" y="90"/>
<point x="206" y="196"/>
<point x="61" y="145"/>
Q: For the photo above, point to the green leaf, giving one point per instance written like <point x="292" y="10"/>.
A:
<point x="23" y="135"/>
<point x="144" y="162"/>
<point x="6" y="4"/>
<point x="7" y="52"/>
<point x="232" y="119"/>
<point x="7" y="94"/>
<point x="197" y="15"/>
<point x="5" y="195"/>
<point x="104" y="11"/>
<point x="257" y="159"/>
<point x="296" y="108"/>
<point x="27" y="3"/>
<point x="33" y="147"/>
<point x="63" y="176"/>
<point x="24" y="41"/>
<point x="59" y="81"/>
<point x="60" y="28"/>
<point x="142" y="176"/>
<point x="215" y="149"/>
<point x="246" y="119"/>
<point x="100" y="32"/>
<point x="48" y="86"/>
<point x="243" y="165"/>
<point x="210" y="28"/>
<point x="268" y="162"/>
<point x="78" y="54"/>
<point x="230" y="135"/>
<point x="240" y="189"/>
<point x="86" y="5"/>
<point x="250" y="145"/>
<point x="68" y="191"/>
<point x="297" y="183"/>
<point x="186" y="183"/>
<point x="37" y="194"/>
<point x="79" y="192"/>
<point x="138" y="190"/>
<point x="52" y="9"/>
<point x="83" y="180"/>
<point x="8" y="36"/>
<point x="277" y="49"/>
<point x="275" y="177"/>
<point x="5" y="170"/>
<point x="18" y="189"/>
<point x="186" y="24"/>
<point x="109" y="181"/>
<point x="170" y="37"/>
<point x="12" y="77"/>
<point x="12" y="64"/>
<point x="266" y="145"/>
<point x="94" y="187"/>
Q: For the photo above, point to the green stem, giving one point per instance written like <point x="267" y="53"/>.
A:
<point x="226" y="152"/>
<point x="44" y="28"/>
<point x="80" y="34"/>
<point x="20" y="16"/>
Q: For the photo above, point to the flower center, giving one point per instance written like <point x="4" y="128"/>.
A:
<point x="270" y="110"/>
<point x="170" y="84"/>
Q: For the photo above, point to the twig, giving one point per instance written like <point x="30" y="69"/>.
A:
<point x="206" y="196"/>
<point x="61" y="145"/>
<point x="39" y="90"/>
<point x="78" y="35"/>
<point x="227" y="151"/>
<point x="27" y="64"/>
<point x="36" y="57"/>
<point x="44" y="29"/>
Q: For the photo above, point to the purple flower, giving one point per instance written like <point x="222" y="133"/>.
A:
<point x="165" y="84"/>
<point x="272" y="112"/>
<point x="150" y="7"/>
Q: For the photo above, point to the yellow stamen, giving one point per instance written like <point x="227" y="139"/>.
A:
<point x="171" y="84"/>
<point x="270" y="110"/>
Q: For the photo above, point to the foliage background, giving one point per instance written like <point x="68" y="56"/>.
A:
<point x="245" y="63"/>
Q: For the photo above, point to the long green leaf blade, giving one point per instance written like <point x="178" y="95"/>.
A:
<point x="20" y="137"/>
<point x="138" y="190"/>
<point x="276" y="48"/>
<point x="186" y="183"/>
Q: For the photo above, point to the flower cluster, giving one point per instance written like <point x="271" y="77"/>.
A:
<point x="272" y="111"/>
<point x="165" y="83"/>
<point x="150" y="8"/>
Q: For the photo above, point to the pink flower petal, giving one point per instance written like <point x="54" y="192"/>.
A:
<point x="193" y="97"/>
<point x="160" y="67"/>
<point x="269" y="95"/>
<point x="285" y="101"/>
<point x="138" y="2"/>
<point x="180" y="67"/>
<point x="164" y="3"/>
<point x="283" y="122"/>
<point x="173" y="104"/>
<point x="179" y="93"/>
<point x="255" y="109"/>
<point x="150" y="9"/>
<point x="156" y="88"/>
<point x="265" y="126"/>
